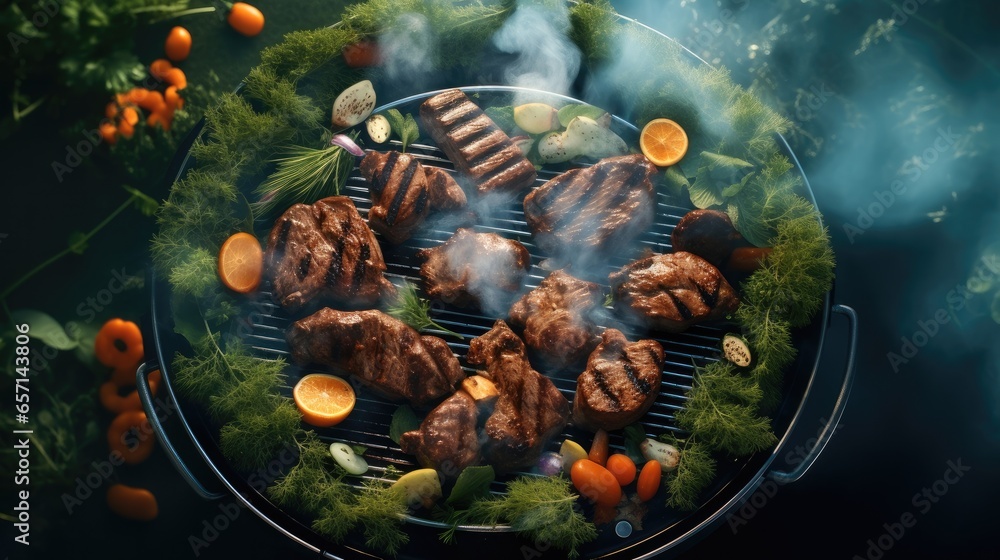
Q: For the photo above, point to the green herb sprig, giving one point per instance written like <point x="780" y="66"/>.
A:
<point x="303" y="175"/>
<point x="413" y="310"/>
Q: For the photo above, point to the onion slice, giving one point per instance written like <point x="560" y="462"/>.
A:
<point x="345" y="142"/>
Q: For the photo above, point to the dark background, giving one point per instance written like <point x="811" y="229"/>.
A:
<point x="860" y="117"/>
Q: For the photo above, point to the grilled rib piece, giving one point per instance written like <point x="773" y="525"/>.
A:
<point x="620" y="384"/>
<point x="380" y="351"/>
<point x="530" y="409"/>
<point x="399" y="192"/>
<point x="445" y="192"/>
<point x="325" y="253"/>
<point x="556" y="318"/>
<point x="593" y="210"/>
<point x="447" y="440"/>
<point x="476" y="146"/>
<point x="673" y="291"/>
<point x="472" y="268"/>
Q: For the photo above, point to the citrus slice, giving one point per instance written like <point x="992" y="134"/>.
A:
<point x="241" y="263"/>
<point x="324" y="400"/>
<point x="663" y="142"/>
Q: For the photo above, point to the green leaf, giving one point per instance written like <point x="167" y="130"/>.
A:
<point x="715" y="178"/>
<point x="403" y="420"/>
<point x="675" y="181"/>
<point x="405" y="127"/>
<point x="704" y="193"/>
<point x="570" y="112"/>
<point x="634" y="434"/>
<point x="44" y="328"/>
<point x="143" y="202"/>
<point x="472" y="484"/>
<point x="77" y="242"/>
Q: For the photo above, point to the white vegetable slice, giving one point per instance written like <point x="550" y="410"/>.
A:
<point x="663" y="453"/>
<point x="421" y="487"/>
<point x="354" y="104"/>
<point x="379" y="128"/>
<point x="348" y="459"/>
<point x="536" y="118"/>
<point x="571" y="452"/>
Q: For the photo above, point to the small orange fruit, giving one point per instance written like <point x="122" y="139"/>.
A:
<point x="178" y="44"/>
<point x="241" y="263"/>
<point x="324" y="400"/>
<point x="663" y="142"/>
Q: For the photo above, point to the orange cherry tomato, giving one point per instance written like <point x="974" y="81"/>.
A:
<point x="595" y="483"/>
<point x="111" y="110"/>
<point x="109" y="133"/>
<point x="132" y="503"/>
<point x="159" y="67"/>
<point x="176" y="77"/>
<point x="622" y="467"/>
<point x="245" y="19"/>
<point x="131" y="436"/>
<point x="361" y="54"/>
<point x="178" y="44"/>
<point x="649" y="480"/>
<point x="600" y="448"/>
<point x="152" y="102"/>
<point x="119" y="344"/>
<point x="173" y="99"/>
<point x="163" y="119"/>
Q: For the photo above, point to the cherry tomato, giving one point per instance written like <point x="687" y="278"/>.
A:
<point x="132" y="503"/>
<point x="622" y="467"/>
<point x="361" y="54"/>
<point x="600" y="448"/>
<point x="245" y="19"/>
<point x="649" y="480"/>
<point x="595" y="483"/>
<point x="178" y="44"/>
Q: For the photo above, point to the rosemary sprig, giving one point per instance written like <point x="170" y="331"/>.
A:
<point x="413" y="310"/>
<point x="304" y="175"/>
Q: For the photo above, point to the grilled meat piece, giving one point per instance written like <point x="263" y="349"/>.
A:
<point x="475" y="268"/>
<point x="530" y="409"/>
<point x="476" y="146"/>
<point x="620" y="384"/>
<point x="325" y="253"/>
<point x="673" y="291"/>
<point x="707" y="233"/>
<point x="445" y="192"/>
<point x="598" y="209"/>
<point x="400" y="197"/>
<point x="556" y="318"/>
<point x="447" y="440"/>
<point x="381" y="351"/>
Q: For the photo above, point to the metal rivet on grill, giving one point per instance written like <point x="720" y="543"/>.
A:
<point x="623" y="529"/>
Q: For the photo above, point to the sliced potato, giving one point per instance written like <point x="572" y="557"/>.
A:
<point x="482" y="390"/>
<point x="536" y="118"/>
<point x="353" y="105"/>
<point x="379" y="128"/>
<point x="421" y="487"/>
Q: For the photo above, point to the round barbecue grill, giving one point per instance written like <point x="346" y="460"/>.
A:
<point x="263" y="331"/>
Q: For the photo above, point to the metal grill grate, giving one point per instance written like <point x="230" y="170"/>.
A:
<point x="368" y="425"/>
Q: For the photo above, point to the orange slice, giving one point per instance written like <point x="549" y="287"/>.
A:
<point x="241" y="263"/>
<point x="324" y="400"/>
<point x="663" y="142"/>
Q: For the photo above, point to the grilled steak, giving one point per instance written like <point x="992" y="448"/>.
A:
<point x="530" y="409"/>
<point x="325" y="253"/>
<point x="400" y="197"/>
<point x="673" y="291"/>
<point x="472" y="268"/>
<point x="445" y="193"/>
<point x="620" y="384"/>
<point x="556" y="318"/>
<point x="447" y="440"/>
<point x="707" y="233"/>
<point x="476" y="146"/>
<point x="380" y="351"/>
<point x="597" y="209"/>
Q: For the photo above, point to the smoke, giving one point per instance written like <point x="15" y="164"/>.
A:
<point x="409" y="49"/>
<point x="546" y="58"/>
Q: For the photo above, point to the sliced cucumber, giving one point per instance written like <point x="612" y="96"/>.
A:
<point x="379" y="128"/>
<point x="348" y="459"/>
<point x="736" y="349"/>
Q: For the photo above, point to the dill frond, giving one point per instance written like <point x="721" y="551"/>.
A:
<point x="694" y="473"/>
<point x="253" y="439"/>
<point x="303" y="52"/>
<point x="196" y="275"/>
<point x="594" y="30"/>
<point x="280" y="96"/>
<point x="413" y="310"/>
<point x="240" y="139"/>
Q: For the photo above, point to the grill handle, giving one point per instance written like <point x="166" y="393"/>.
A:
<point x="146" y="396"/>
<point x="785" y="477"/>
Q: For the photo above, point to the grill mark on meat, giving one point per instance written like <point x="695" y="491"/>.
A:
<point x="641" y="385"/>
<point x="304" y="266"/>
<point x="286" y="227"/>
<point x="485" y="155"/>
<point x="653" y="357"/>
<point x="336" y="268"/>
<point x="707" y="297"/>
<point x="625" y="187"/>
<point x="681" y="308"/>
<point x="401" y="190"/>
<point x="422" y="199"/>
<point x="359" y="270"/>
<point x="382" y="179"/>
<point x="572" y="212"/>
<point x="602" y="384"/>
